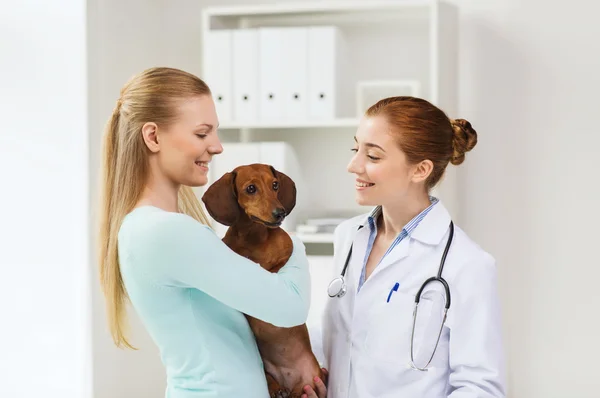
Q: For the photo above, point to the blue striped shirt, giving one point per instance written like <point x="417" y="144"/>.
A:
<point x="406" y="231"/>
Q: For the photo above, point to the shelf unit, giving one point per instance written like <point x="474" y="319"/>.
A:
<point x="388" y="39"/>
<point x="320" y="7"/>
<point x="305" y="124"/>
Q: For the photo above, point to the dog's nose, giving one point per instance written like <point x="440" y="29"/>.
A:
<point x="279" y="214"/>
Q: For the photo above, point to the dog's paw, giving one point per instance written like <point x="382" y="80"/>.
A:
<point x="282" y="393"/>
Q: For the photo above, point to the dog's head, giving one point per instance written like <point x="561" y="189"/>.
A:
<point x="264" y="194"/>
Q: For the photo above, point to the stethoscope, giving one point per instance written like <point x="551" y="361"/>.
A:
<point x="337" y="288"/>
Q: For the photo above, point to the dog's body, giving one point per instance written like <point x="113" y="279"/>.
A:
<point x="286" y="352"/>
<point x="254" y="218"/>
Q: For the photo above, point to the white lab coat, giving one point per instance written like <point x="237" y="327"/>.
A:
<point x="366" y="340"/>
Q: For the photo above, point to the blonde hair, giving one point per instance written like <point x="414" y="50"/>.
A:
<point x="149" y="96"/>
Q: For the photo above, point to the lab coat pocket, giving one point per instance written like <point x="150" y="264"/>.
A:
<point x="390" y="329"/>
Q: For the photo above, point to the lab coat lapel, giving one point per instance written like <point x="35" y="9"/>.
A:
<point x="357" y="239"/>
<point x="398" y="253"/>
<point x="430" y="231"/>
<point x="434" y="226"/>
<point x="361" y="241"/>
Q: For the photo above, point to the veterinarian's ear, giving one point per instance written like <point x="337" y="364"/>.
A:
<point x="287" y="190"/>
<point x="220" y="200"/>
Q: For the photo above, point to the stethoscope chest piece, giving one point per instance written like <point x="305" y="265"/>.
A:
<point x="337" y="287"/>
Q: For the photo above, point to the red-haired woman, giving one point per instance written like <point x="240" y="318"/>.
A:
<point x="408" y="248"/>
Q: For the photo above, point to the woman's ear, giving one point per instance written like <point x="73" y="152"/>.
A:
<point x="220" y="200"/>
<point x="149" y="133"/>
<point x="422" y="171"/>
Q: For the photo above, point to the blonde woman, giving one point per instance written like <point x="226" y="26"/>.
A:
<point x="156" y="249"/>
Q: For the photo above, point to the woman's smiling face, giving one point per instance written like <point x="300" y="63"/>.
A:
<point x="383" y="174"/>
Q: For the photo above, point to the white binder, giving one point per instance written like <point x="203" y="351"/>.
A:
<point x="294" y="57"/>
<point x="328" y="89"/>
<point x="245" y="72"/>
<point x="270" y="74"/>
<point x="219" y="73"/>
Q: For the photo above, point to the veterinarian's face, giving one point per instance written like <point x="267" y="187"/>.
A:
<point x="382" y="172"/>
<point x="188" y="145"/>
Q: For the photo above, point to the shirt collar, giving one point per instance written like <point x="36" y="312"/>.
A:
<point x="429" y="226"/>
<point x="433" y="227"/>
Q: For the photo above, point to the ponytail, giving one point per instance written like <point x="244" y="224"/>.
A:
<point x="110" y="221"/>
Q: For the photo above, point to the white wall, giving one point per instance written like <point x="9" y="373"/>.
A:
<point x="44" y="295"/>
<point x="529" y="83"/>
<point x="125" y="37"/>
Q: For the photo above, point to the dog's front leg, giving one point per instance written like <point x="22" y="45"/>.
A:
<point x="275" y="390"/>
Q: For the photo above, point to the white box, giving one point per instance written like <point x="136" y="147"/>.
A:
<point x="280" y="155"/>
<point x="328" y="67"/>
<point x="219" y="74"/>
<point x="245" y="75"/>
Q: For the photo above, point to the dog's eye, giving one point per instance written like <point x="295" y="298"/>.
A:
<point x="251" y="189"/>
<point x="275" y="185"/>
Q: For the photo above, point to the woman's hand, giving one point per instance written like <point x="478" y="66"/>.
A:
<point x="320" y="385"/>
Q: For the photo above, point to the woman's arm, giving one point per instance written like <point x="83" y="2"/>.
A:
<point x="179" y="251"/>
<point x="476" y="349"/>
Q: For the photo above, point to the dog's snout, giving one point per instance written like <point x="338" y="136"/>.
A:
<point x="279" y="213"/>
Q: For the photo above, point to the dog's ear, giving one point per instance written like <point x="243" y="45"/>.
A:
<point x="221" y="200"/>
<point x="287" y="190"/>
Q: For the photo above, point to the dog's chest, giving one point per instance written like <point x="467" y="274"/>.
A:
<point x="271" y="254"/>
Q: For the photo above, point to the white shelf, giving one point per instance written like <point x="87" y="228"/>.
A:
<point x="336" y="123"/>
<point x="318" y="7"/>
<point x="315" y="238"/>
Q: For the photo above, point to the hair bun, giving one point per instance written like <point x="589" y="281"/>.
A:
<point x="463" y="140"/>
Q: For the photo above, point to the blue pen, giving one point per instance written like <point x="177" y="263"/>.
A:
<point x="394" y="289"/>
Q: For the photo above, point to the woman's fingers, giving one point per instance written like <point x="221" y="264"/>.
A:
<point x="320" y="385"/>
<point x="321" y="390"/>
<point x="309" y="392"/>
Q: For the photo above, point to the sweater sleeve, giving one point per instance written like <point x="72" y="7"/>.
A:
<point x="177" y="250"/>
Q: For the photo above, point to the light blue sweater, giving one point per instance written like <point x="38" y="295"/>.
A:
<point x="190" y="291"/>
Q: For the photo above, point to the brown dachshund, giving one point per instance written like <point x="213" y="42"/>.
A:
<point x="253" y="200"/>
